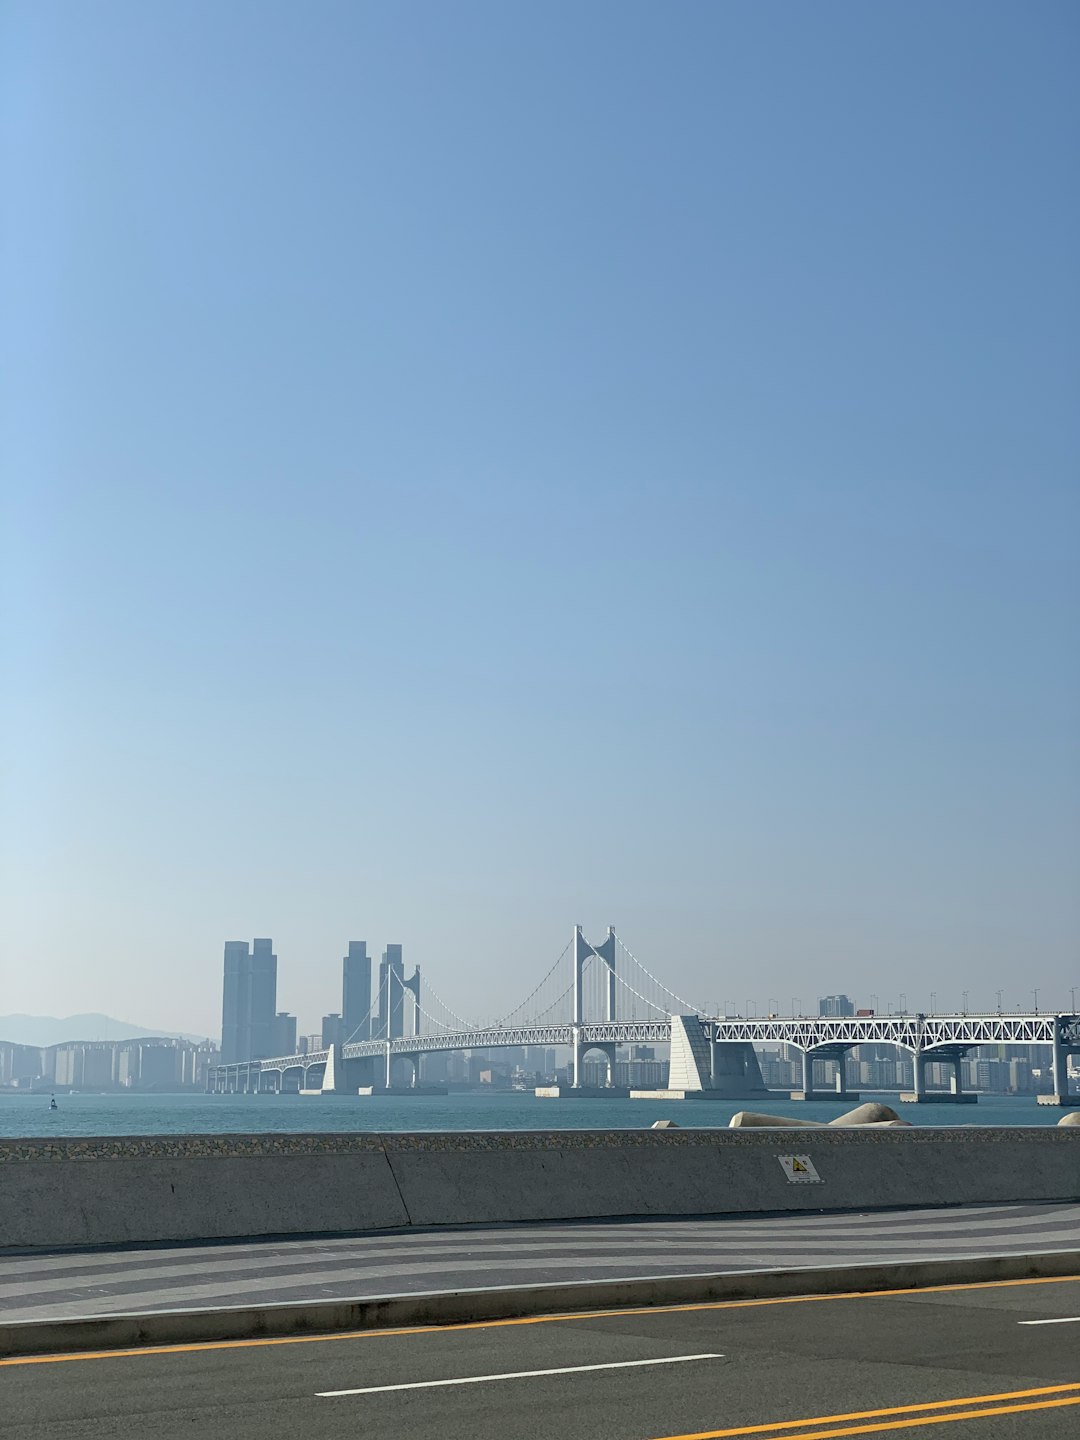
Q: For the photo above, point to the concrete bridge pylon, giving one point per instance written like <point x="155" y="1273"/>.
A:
<point x="605" y="952"/>
<point x="701" y="1066"/>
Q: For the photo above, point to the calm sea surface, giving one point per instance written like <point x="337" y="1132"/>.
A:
<point x="29" y="1115"/>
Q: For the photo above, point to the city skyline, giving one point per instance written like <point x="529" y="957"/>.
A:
<point x="475" y="468"/>
<point x="374" y="1010"/>
<point x="331" y="988"/>
<point x="253" y="1028"/>
<point x="327" y="988"/>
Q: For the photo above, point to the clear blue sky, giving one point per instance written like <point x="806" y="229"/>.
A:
<point x="472" y="468"/>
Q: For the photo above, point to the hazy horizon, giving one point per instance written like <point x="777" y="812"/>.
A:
<point x="476" y="469"/>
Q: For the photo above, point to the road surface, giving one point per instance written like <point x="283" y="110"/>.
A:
<point x="989" y="1362"/>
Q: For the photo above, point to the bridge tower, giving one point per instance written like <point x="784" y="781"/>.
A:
<point x="581" y="952"/>
<point x="413" y="986"/>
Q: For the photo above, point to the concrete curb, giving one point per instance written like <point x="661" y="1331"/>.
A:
<point x="192" y="1327"/>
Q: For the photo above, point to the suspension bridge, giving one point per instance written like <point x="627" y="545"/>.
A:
<point x="596" y="997"/>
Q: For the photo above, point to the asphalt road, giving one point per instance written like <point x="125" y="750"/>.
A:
<point x="970" y="1356"/>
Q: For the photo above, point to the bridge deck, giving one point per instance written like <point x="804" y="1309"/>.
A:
<point x="947" y="1035"/>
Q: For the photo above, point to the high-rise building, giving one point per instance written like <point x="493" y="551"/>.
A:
<point x="331" y="1030"/>
<point x="356" y="992"/>
<point x="249" y="1001"/>
<point x="196" y="1060"/>
<point x="263" y="998"/>
<point x="284" y="1033"/>
<point x="233" y="1000"/>
<point x="391" y="1021"/>
<point x="836" y="1005"/>
<point x="20" y="1064"/>
<point x="87" y="1064"/>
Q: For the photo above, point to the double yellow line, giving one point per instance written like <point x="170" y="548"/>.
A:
<point x="904" y="1417"/>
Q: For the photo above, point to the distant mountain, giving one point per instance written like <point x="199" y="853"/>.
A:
<point x="49" y="1030"/>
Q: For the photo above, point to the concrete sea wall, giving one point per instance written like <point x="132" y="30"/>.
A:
<point x="58" y="1193"/>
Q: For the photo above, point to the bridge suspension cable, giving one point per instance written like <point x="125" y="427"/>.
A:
<point x="652" y="1005"/>
<point x="542" y="1015"/>
<point x="365" y="1021"/>
<point x="455" y="1022"/>
<point x="502" y="1023"/>
<point x="687" y="1008"/>
<point x="536" y="1007"/>
<point x="459" y="1021"/>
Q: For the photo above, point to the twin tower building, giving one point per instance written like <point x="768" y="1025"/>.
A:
<point x="252" y="1027"/>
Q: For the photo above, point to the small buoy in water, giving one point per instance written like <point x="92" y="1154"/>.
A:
<point x="52" y="1103"/>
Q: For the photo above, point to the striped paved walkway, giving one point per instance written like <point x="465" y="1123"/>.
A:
<point x="197" y="1276"/>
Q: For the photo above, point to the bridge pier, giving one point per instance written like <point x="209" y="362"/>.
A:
<point x="579" y="1049"/>
<point x="608" y="1052"/>
<point x="840" y="1089"/>
<point x="955" y="1095"/>
<point x="734" y="1072"/>
<point x="1059" y="1071"/>
<point x="384" y="1085"/>
<point x="577" y="1054"/>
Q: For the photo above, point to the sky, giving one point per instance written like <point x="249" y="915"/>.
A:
<point x="471" y="469"/>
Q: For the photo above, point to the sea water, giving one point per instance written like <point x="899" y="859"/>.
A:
<point x="23" y="1115"/>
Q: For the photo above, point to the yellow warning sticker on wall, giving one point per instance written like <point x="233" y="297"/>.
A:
<point x="800" y="1170"/>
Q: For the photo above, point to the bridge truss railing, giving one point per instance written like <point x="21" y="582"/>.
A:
<point x="307" y="1061"/>
<point x="915" y="1033"/>
<point x="909" y="1032"/>
<point x="616" y="1032"/>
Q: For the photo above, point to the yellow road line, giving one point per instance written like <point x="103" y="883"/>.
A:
<point x="616" y="1311"/>
<point x="885" y="1425"/>
<point x="919" y="1409"/>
